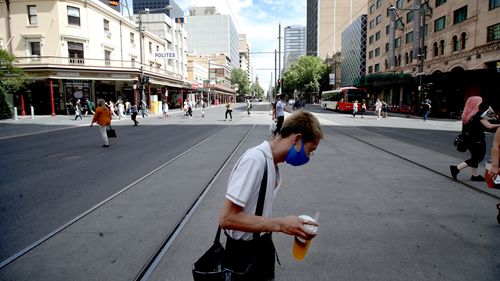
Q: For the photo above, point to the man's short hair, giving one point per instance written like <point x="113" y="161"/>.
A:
<point x="302" y="122"/>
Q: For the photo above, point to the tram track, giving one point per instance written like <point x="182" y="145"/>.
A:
<point x="172" y="232"/>
<point x="399" y="156"/>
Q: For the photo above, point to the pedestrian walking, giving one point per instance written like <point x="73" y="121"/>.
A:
<point x="112" y="108"/>
<point x="127" y="107"/>
<point x="354" y="108"/>
<point x="121" y="109"/>
<point x="78" y="109"/>
<point x="473" y="125"/>
<point x="229" y="109"/>
<point x="378" y="108"/>
<point x="102" y="117"/>
<point x="133" y="112"/>
<point x="189" y="108"/>
<point x="203" y="105"/>
<point x="294" y="144"/>
<point x="495" y="162"/>
<point x="280" y="113"/>
<point x="385" y="109"/>
<point x="165" y="108"/>
<point x="90" y="106"/>
<point x="363" y="108"/>
<point x="426" y="108"/>
<point x="249" y="106"/>
<point x="144" y="109"/>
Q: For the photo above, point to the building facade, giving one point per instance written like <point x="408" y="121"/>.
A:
<point x="294" y="44"/>
<point x="326" y="20"/>
<point x="173" y="11"/>
<point x="81" y="50"/>
<point x="353" y="63"/>
<point x="458" y="41"/>
<point x="212" y="33"/>
<point x="245" y="63"/>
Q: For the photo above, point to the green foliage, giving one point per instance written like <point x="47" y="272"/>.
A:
<point x="257" y="90"/>
<point x="12" y="79"/>
<point x="305" y="75"/>
<point x="238" y="76"/>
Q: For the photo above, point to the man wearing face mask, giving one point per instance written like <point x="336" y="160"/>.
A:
<point x="294" y="144"/>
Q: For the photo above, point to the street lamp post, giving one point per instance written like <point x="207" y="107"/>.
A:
<point x="209" y="61"/>
<point x="421" y="54"/>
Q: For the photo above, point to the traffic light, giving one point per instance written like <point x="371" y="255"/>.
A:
<point x="114" y="2"/>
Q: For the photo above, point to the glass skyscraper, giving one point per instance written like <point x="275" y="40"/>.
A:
<point x="353" y="63"/>
<point x="295" y="44"/>
<point x="141" y="5"/>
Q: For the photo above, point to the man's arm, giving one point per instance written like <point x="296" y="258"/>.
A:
<point x="233" y="217"/>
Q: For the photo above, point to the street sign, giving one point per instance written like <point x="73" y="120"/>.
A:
<point x="179" y="20"/>
<point x="165" y="55"/>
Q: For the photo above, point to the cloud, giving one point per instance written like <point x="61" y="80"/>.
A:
<point x="259" y="19"/>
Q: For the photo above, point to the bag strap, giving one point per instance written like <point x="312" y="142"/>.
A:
<point x="262" y="196"/>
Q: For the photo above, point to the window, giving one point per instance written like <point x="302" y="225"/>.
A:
<point x="397" y="42"/>
<point x="409" y="16"/>
<point x="132" y="62"/>
<point x="493" y="32"/>
<point x="73" y="16"/>
<point x="372" y="24"/>
<point x="35" y="49"/>
<point x="377" y="52"/>
<point x="370" y="54"/>
<point x="107" y="57"/>
<point x="406" y="58"/>
<point x="387" y="29"/>
<point x="439" y="24"/>
<point x="399" y="4"/>
<point x="75" y="52"/>
<point x="386" y="47"/>
<point x="370" y="69"/>
<point x="494" y="4"/>
<point x="378" y="19"/>
<point x="372" y="9"/>
<point x="32" y="17"/>
<point x="377" y="67"/>
<point x="370" y="39"/>
<point x="425" y="52"/>
<point x="132" y="39"/>
<point x="157" y="48"/>
<point x="377" y="36"/>
<point x="106" y="26"/>
<point x="435" y="48"/>
<point x="411" y="56"/>
<point x="409" y="37"/>
<point x="455" y="43"/>
<point x="379" y="3"/>
<point x="460" y="15"/>
<point x="441" y="47"/>
<point x="150" y="47"/>
<point x="440" y="2"/>
<point x="399" y="24"/>
<point x="462" y="40"/>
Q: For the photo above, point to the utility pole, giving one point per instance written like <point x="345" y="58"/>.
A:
<point x="279" y="59"/>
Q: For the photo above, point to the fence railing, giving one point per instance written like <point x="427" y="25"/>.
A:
<point x="89" y="63"/>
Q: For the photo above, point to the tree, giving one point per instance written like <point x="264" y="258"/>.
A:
<point x="305" y="75"/>
<point x="238" y="76"/>
<point x="12" y="79"/>
<point x="257" y="90"/>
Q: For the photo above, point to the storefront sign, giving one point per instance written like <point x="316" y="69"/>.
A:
<point x="68" y="74"/>
<point x="120" y="76"/>
<point x="165" y="55"/>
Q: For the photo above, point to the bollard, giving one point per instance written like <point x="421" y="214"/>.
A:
<point x="32" y="112"/>
<point x="15" y="113"/>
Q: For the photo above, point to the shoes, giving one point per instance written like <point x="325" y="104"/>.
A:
<point x="105" y="145"/>
<point x="498" y="216"/>
<point x="477" y="178"/>
<point x="454" y="171"/>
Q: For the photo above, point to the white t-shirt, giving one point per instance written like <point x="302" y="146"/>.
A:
<point x="244" y="183"/>
<point x="280" y="109"/>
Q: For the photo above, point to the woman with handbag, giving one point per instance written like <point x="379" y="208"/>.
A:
<point x="102" y="117"/>
<point x="246" y="214"/>
<point x="473" y="125"/>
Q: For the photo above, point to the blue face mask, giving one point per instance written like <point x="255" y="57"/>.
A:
<point x="296" y="158"/>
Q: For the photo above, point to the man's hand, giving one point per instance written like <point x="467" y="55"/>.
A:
<point x="293" y="225"/>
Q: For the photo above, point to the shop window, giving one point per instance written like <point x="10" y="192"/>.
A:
<point x="73" y="16"/>
<point x="460" y="15"/>
<point x="32" y="15"/>
<point x="493" y="32"/>
<point x="440" y="24"/>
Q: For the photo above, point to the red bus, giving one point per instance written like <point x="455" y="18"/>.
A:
<point x="343" y="98"/>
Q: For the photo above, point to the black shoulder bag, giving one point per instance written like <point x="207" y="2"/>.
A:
<point x="239" y="260"/>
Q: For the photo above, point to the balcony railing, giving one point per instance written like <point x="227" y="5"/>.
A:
<point x="89" y="63"/>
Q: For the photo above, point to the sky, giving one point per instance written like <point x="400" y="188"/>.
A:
<point x="259" y="20"/>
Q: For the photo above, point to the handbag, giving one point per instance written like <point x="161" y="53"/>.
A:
<point x="110" y="132"/>
<point x="461" y="142"/>
<point x="212" y="265"/>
